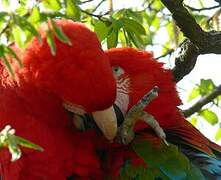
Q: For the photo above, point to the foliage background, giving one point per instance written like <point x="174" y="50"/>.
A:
<point x="144" y="24"/>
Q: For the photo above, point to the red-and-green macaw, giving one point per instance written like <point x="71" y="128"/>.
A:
<point x="78" y="79"/>
<point x="190" y="155"/>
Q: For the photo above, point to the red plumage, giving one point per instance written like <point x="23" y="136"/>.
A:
<point x="144" y="72"/>
<point x="32" y="104"/>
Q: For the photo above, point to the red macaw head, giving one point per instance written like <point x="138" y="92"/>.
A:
<point x="136" y="73"/>
<point x="79" y="74"/>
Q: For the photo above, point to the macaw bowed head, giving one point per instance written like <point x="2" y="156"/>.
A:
<point x="79" y="73"/>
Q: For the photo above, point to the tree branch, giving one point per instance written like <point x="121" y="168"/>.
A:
<point x="99" y="16"/>
<point x="87" y="1"/>
<point x="203" y="101"/>
<point x="186" y="61"/>
<point x="98" y="5"/>
<point x="200" y="42"/>
<point x="110" y="5"/>
<point x="207" y="42"/>
<point x="168" y="52"/>
<point x="201" y="9"/>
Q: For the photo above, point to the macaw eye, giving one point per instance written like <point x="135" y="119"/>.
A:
<point x="117" y="71"/>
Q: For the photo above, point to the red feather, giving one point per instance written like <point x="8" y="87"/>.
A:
<point x="145" y="73"/>
<point x="32" y="105"/>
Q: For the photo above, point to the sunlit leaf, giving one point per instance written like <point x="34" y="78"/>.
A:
<point x="219" y="97"/>
<point x="17" y="34"/>
<point x="22" y="10"/>
<point x="2" y="15"/>
<point x="4" y="50"/>
<point x="23" y="23"/>
<point x="73" y="10"/>
<point x="135" y="40"/>
<point x="3" y="21"/>
<point x="13" y="147"/>
<point x="60" y="34"/>
<point x="10" y="52"/>
<point x="22" y="2"/>
<point x="51" y="43"/>
<point x="101" y="30"/>
<point x="35" y="16"/>
<point x="209" y="116"/>
<point x="8" y="66"/>
<point x="206" y="86"/>
<point x="52" y="4"/>
<point x="112" y="38"/>
<point x="156" y="23"/>
<point x="218" y="135"/>
<point x="157" y="5"/>
<point x="133" y="26"/>
<point x="169" y="28"/>
<point x="193" y="121"/>
<point x="5" y="3"/>
<point x="28" y="144"/>
<point x="13" y="143"/>
<point x="194" y="93"/>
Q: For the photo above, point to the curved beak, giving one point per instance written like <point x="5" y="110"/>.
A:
<point x="106" y="120"/>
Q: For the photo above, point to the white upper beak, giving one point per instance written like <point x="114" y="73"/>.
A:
<point x="107" y="122"/>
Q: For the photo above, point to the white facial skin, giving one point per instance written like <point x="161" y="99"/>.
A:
<point x="123" y="84"/>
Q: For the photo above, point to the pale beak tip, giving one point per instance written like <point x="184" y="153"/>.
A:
<point x="107" y="122"/>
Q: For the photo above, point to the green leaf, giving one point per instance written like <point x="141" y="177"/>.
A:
<point x="219" y="97"/>
<point x="134" y="39"/>
<point x="194" y="93"/>
<point x="72" y="10"/>
<point x="10" y="52"/>
<point x="52" y="4"/>
<point x="59" y="33"/>
<point x="3" y="15"/>
<point x="22" y="10"/>
<point x="209" y="116"/>
<point x="218" y="135"/>
<point x="5" y="3"/>
<point x="157" y="5"/>
<point x="156" y="23"/>
<point x="169" y="28"/>
<point x="13" y="147"/>
<point x="12" y="142"/>
<point x="3" y="21"/>
<point x="35" y="16"/>
<point x="133" y="26"/>
<point x="17" y="34"/>
<point x="28" y="144"/>
<point x="193" y="121"/>
<point x="23" y="23"/>
<point x="112" y="38"/>
<point x="101" y="30"/>
<point x="4" y="50"/>
<point x="135" y="32"/>
<point x="8" y="65"/>
<point x="206" y="86"/>
<point x="51" y="43"/>
<point x="22" y="2"/>
<point x="136" y="15"/>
